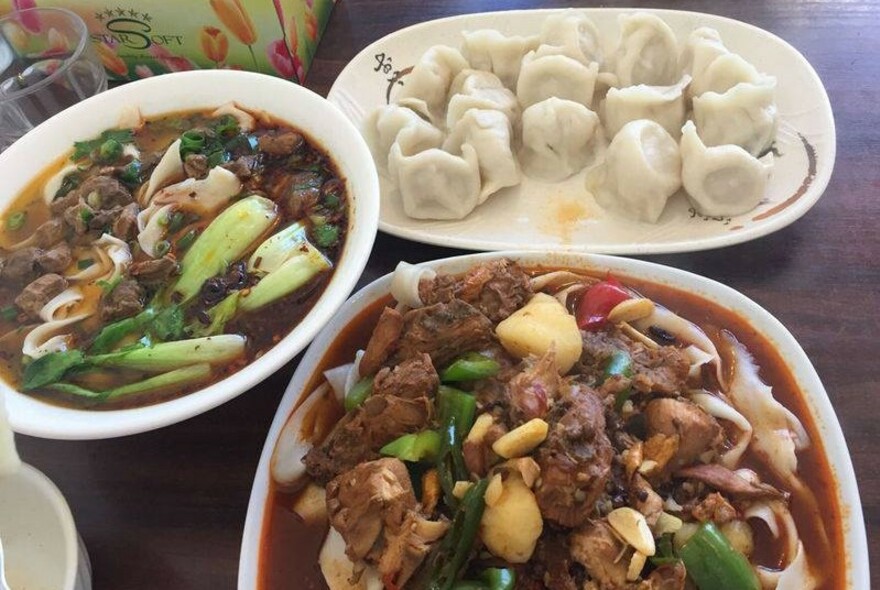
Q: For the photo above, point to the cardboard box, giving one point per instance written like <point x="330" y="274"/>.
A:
<point x="141" y="38"/>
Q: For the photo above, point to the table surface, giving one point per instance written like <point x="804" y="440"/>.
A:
<point x="166" y="509"/>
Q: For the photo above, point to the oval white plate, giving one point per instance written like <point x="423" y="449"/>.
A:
<point x="186" y="91"/>
<point x="816" y="398"/>
<point x="563" y="216"/>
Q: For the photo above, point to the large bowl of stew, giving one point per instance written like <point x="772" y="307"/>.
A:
<point x="168" y="244"/>
<point x="541" y="420"/>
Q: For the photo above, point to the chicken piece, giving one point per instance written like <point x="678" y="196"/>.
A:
<point x="696" y="430"/>
<point x="670" y="576"/>
<point x="715" y="508"/>
<point x="596" y="547"/>
<point x="375" y="510"/>
<point x="497" y="288"/>
<point x="643" y="498"/>
<point x="410" y="379"/>
<point x="39" y="292"/>
<point x="444" y="331"/>
<point x="382" y="342"/>
<point x="530" y="393"/>
<point x="575" y="459"/>
<point x="361" y="433"/>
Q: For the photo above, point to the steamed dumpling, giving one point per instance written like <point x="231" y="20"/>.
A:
<point x="435" y="184"/>
<point x="491" y="51"/>
<point x="475" y="89"/>
<point x="573" y="29"/>
<point x="489" y="133"/>
<point x="723" y="180"/>
<point x="426" y="88"/>
<point x="642" y="170"/>
<point x="546" y="75"/>
<point x="712" y="66"/>
<point x="384" y="125"/>
<point x="745" y="116"/>
<point x="558" y="138"/>
<point x="662" y="104"/>
<point x="648" y="51"/>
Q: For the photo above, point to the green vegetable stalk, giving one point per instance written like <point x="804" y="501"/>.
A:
<point x="303" y="264"/>
<point x="176" y="378"/>
<point x="470" y="367"/>
<point x="358" y="393"/>
<point x="224" y="241"/>
<point x="172" y="355"/>
<point x="713" y="564"/>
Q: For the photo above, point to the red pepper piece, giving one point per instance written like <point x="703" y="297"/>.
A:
<point x="597" y="303"/>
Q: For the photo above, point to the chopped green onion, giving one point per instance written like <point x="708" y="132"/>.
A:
<point x="110" y="151"/>
<point x="469" y="367"/>
<point x="226" y="125"/>
<point x="358" y="393"/>
<point x="713" y="564"/>
<point x="187" y="240"/>
<point x="16" y="220"/>
<point x="131" y="173"/>
<point x="108" y="286"/>
<point x="191" y="142"/>
<point x="8" y="313"/>
<point x="326" y="235"/>
<point x="86" y="215"/>
<point x="421" y="446"/>
<point x="162" y="248"/>
<point x="85" y="263"/>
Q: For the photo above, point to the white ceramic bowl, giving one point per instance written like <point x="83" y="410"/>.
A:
<point x="165" y="94"/>
<point x="856" y="549"/>
<point x="41" y="548"/>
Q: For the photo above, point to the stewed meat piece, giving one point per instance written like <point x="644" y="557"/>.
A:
<point x="575" y="459"/>
<point x="49" y="233"/>
<point x="382" y="342"/>
<point x="530" y="393"/>
<point x="444" y="331"/>
<point x="124" y="226"/>
<point x="124" y="300"/>
<point x="731" y="483"/>
<point x="280" y="143"/>
<point x="104" y="192"/>
<point x="21" y="266"/>
<point x="596" y="547"/>
<point x="38" y="293"/>
<point x="153" y="272"/>
<point x="497" y="288"/>
<point x="57" y="259"/>
<point x="361" y="433"/>
<point x="413" y="378"/>
<point x="694" y="431"/>
<point x="196" y="165"/>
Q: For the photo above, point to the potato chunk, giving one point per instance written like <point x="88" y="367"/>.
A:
<point x="511" y="526"/>
<point x="543" y="322"/>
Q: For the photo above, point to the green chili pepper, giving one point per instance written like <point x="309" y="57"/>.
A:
<point x="420" y="446"/>
<point x="493" y="578"/>
<point x="469" y="367"/>
<point x="444" y="565"/>
<point x="456" y="410"/>
<point x="712" y="563"/>
<point x="16" y="220"/>
<point x="619" y="364"/>
<point x="358" y="393"/>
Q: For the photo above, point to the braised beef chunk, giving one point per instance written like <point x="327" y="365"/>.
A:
<point x="124" y="300"/>
<point x="49" y="233"/>
<point x="244" y="167"/>
<point x="730" y="482"/>
<point x="21" y="266"/>
<point x="362" y="432"/>
<point x="531" y="392"/>
<point x="196" y="165"/>
<point x="374" y="508"/>
<point x="496" y="288"/>
<point x="575" y="459"/>
<point x="693" y="430"/>
<point x="661" y="370"/>
<point x="153" y="272"/>
<point x="597" y="548"/>
<point x="125" y="225"/>
<point x="382" y="342"/>
<point x="78" y="217"/>
<point x="104" y="192"/>
<point x="280" y="143"/>
<point x="38" y="293"/>
<point x="413" y="378"/>
<point x="300" y="192"/>
<point x="444" y="331"/>
<point x="57" y="259"/>
<point x="62" y="204"/>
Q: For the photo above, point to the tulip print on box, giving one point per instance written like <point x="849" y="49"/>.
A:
<point x="143" y="38"/>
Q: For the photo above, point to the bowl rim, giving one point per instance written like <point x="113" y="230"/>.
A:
<point x="814" y="395"/>
<point x="33" y="417"/>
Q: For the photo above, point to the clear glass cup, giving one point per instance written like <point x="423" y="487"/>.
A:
<point x="47" y="64"/>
